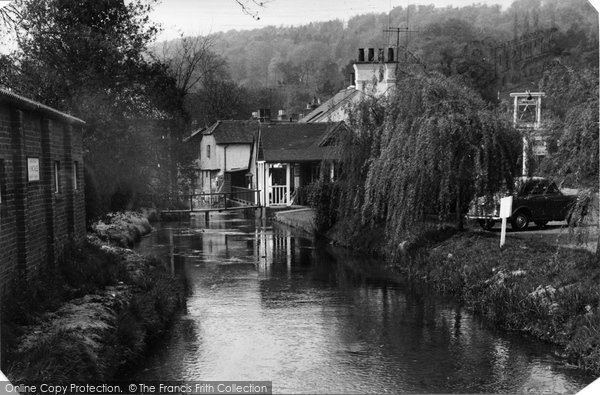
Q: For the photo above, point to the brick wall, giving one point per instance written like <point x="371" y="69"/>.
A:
<point x="37" y="220"/>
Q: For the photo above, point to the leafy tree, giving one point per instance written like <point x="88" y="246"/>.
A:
<point x="91" y="61"/>
<point x="439" y="147"/>
<point x="572" y="129"/>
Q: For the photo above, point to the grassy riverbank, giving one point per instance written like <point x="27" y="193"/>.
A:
<point x="92" y="315"/>
<point x="543" y="290"/>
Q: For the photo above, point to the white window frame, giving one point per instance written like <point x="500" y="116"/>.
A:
<point x="75" y="180"/>
<point x="56" y="176"/>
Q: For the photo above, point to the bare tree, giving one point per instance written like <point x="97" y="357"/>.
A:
<point x="9" y="15"/>
<point x="190" y="60"/>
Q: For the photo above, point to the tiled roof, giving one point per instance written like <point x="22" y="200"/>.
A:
<point x="197" y="132"/>
<point x="295" y="142"/>
<point x="324" y="111"/>
<point x="233" y="132"/>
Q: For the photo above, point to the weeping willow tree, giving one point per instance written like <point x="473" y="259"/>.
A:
<point x="439" y="147"/>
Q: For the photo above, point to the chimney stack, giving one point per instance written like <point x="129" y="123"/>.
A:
<point x="390" y="54"/>
<point x="264" y="115"/>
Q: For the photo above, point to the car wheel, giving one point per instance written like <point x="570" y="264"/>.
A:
<point x="541" y="224"/>
<point x="520" y="221"/>
<point x="487" y="224"/>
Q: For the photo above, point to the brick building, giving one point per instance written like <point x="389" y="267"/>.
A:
<point x="42" y="208"/>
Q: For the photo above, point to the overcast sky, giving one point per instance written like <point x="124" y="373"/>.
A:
<point x="209" y="16"/>
<point x="192" y="17"/>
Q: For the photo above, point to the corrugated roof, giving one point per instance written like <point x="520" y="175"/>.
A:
<point x="340" y="99"/>
<point x="295" y="142"/>
<point x="28" y="104"/>
<point x="233" y="132"/>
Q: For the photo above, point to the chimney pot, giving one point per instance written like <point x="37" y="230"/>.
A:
<point x="361" y="54"/>
<point x="264" y="115"/>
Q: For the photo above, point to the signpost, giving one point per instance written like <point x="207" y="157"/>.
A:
<point x="505" y="212"/>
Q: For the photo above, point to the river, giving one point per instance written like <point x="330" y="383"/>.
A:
<point x="268" y="303"/>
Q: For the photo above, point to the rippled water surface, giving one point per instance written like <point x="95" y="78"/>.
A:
<point x="269" y="304"/>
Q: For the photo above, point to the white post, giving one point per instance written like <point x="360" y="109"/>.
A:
<point x="288" y="200"/>
<point x="505" y="212"/>
<point x="503" y="233"/>
<point x="525" y="156"/>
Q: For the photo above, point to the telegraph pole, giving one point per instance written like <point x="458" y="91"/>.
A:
<point x="398" y="30"/>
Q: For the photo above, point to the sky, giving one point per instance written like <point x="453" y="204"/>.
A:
<point x="191" y="17"/>
<point x="201" y="17"/>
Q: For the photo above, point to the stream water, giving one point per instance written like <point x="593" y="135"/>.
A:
<point x="270" y="304"/>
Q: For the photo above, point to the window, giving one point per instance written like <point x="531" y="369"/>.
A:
<point x="56" y="176"/>
<point x="552" y="189"/>
<point x="75" y="181"/>
<point x="208" y="151"/>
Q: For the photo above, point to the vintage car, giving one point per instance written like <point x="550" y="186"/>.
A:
<point x="535" y="199"/>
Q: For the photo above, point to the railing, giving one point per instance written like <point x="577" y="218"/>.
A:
<point x="205" y="201"/>
<point x="244" y="196"/>
<point x="278" y="195"/>
<point x="237" y="197"/>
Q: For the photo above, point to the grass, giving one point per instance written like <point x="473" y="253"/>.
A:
<point x="546" y="291"/>
<point x="95" y="314"/>
<point x="122" y="228"/>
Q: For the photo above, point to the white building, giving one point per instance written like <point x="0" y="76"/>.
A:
<point x="224" y="155"/>
<point x="374" y="76"/>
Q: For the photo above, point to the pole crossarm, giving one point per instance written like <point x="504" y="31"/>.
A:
<point x="398" y="30"/>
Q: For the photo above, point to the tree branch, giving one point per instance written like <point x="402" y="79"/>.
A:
<point x="250" y="7"/>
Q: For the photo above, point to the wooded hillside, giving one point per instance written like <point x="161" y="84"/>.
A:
<point x="298" y="63"/>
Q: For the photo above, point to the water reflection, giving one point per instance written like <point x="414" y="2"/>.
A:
<point x="270" y="305"/>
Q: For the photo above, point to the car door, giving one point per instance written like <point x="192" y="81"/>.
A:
<point x="535" y="200"/>
<point x="558" y="204"/>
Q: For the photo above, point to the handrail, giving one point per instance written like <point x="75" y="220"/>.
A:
<point x="239" y="195"/>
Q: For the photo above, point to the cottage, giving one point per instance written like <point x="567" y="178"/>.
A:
<point x="289" y="156"/>
<point x="225" y="155"/>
